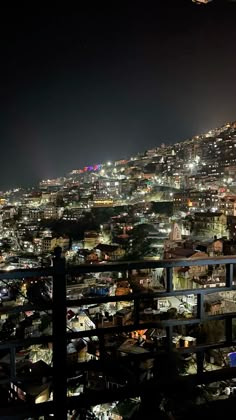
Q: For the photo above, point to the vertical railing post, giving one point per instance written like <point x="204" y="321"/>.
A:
<point x="59" y="336"/>
<point x="169" y="279"/>
<point x="136" y="311"/>
<point x="200" y="307"/>
<point x="102" y="347"/>
<point x="200" y="362"/>
<point x="229" y="330"/>
<point x="13" y="363"/>
<point x="229" y="275"/>
<point x="169" y="336"/>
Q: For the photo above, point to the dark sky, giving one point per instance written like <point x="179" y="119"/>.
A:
<point x="102" y="84"/>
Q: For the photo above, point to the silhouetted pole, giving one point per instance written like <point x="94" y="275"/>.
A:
<point x="59" y="335"/>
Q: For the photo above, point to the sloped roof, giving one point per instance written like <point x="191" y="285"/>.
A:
<point x="184" y="269"/>
<point x="106" y="247"/>
<point x="183" y="252"/>
<point x="213" y="298"/>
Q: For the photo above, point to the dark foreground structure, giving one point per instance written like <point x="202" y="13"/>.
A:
<point x="61" y="403"/>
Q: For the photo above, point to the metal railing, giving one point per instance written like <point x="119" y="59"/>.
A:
<point x="59" y="271"/>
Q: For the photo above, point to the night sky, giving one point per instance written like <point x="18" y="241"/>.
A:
<point x="103" y="84"/>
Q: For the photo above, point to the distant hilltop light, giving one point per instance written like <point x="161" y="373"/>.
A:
<point x="201" y="1"/>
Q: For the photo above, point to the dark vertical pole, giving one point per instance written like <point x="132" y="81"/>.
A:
<point x="228" y="322"/>
<point x="169" y="335"/>
<point x="169" y="289"/>
<point x="229" y="275"/>
<point x="102" y="347"/>
<point x="200" y="362"/>
<point x="169" y="279"/>
<point x="59" y="336"/>
<point x="228" y="331"/>
<point x="200" y="306"/>
<point x="13" y="362"/>
<point x="200" y="315"/>
<point x="136" y="311"/>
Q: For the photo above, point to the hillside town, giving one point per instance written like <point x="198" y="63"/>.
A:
<point x="166" y="194"/>
<point x="170" y="202"/>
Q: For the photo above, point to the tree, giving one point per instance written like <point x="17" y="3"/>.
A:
<point x="140" y="244"/>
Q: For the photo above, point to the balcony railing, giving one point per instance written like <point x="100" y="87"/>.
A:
<point x="60" y="337"/>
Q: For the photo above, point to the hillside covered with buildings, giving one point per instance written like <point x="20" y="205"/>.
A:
<point x="172" y="202"/>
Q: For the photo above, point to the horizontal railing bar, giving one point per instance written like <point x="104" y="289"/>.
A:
<point x="131" y="327"/>
<point x="25" y="308"/>
<point x="116" y="266"/>
<point x="147" y="325"/>
<point x="217" y="317"/>
<point x="26" y="342"/>
<point x="26" y="273"/>
<point x="101" y="364"/>
<point x="114" y="329"/>
<point x="96" y="364"/>
<point x="120" y="298"/>
<point x="105" y="299"/>
<point x="205" y="347"/>
<point x="100" y="397"/>
<point x="123" y="266"/>
<point x="147" y="295"/>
